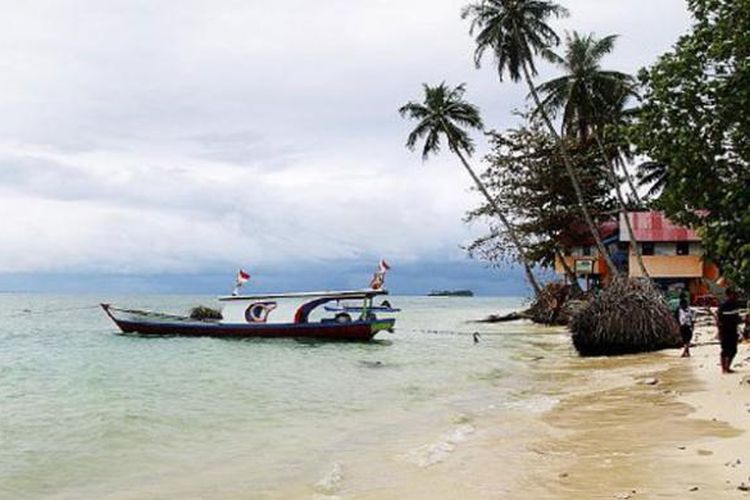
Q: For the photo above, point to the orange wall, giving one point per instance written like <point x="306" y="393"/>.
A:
<point x="668" y="266"/>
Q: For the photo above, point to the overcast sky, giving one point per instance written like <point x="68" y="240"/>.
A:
<point x="198" y="136"/>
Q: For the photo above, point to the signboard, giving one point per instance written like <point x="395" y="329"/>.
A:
<point x="584" y="267"/>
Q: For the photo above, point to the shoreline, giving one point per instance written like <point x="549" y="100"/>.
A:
<point x="677" y="428"/>
<point x="722" y="398"/>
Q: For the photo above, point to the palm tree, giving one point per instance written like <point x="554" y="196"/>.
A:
<point x="588" y="96"/>
<point x="590" y="99"/>
<point x="654" y="175"/>
<point x="515" y="31"/>
<point x="443" y="114"/>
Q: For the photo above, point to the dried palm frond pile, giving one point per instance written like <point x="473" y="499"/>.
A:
<point x="549" y="303"/>
<point x="204" y="313"/>
<point x="628" y="316"/>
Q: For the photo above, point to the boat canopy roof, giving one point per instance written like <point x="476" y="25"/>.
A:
<point x="345" y="294"/>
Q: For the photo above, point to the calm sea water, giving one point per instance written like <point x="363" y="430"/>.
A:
<point x="87" y="413"/>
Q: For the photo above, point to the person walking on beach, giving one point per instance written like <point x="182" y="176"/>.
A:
<point x="686" y="318"/>
<point x="728" y="320"/>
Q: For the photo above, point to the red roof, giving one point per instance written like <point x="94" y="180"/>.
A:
<point x="654" y="226"/>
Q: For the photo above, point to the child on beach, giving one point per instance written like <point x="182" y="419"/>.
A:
<point x="686" y="319"/>
<point x="728" y="319"/>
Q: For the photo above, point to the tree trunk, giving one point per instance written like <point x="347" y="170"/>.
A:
<point x="511" y="231"/>
<point x="621" y="202"/>
<point x="571" y="173"/>
<point x="631" y="184"/>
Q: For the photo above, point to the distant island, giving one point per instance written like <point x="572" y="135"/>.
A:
<point x="450" y="293"/>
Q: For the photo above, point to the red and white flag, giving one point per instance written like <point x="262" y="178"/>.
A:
<point x="242" y="278"/>
<point x="378" y="278"/>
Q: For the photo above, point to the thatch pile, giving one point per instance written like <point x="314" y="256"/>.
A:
<point x="548" y="305"/>
<point x="629" y="316"/>
<point x="205" y="313"/>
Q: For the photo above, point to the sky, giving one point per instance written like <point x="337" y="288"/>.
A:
<point x="142" y="142"/>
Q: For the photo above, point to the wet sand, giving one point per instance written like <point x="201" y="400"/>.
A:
<point x="643" y="426"/>
<point x="671" y="427"/>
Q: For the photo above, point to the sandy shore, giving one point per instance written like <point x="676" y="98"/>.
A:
<point x="724" y="399"/>
<point x="677" y="430"/>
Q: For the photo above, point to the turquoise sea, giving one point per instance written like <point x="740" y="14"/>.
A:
<point x="88" y="413"/>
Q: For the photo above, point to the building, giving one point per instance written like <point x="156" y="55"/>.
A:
<point x="672" y="254"/>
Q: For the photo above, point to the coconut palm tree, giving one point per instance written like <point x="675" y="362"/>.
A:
<point x="588" y="96"/>
<point x="590" y="99"/>
<point x="654" y="175"/>
<point x="444" y="114"/>
<point x="515" y="32"/>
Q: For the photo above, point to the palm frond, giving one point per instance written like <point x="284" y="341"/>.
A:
<point x="443" y="114"/>
<point x="514" y="31"/>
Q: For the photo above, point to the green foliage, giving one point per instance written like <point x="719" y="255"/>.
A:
<point x="514" y="31"/>
<point x="524" y="178"/>
<point x="588" y="96"/>
<point x="442" y="113"/>
<point x="696" y="121"/>
<point x="653" y="175"/>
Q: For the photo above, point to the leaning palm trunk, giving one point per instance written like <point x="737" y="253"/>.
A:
<point x="571" y="173"/>
<point x="621" y="201"/>
<point x="508" y="227"/>
<point x="628" y="316"/>
<point x="631" y="184"/>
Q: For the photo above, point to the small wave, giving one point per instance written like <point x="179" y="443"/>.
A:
<point x="431" y="454"/>
<point x="538" y="404"/>
<point x="330" y="483"/>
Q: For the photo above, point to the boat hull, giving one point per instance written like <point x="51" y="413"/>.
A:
<point x="352" y="331"/>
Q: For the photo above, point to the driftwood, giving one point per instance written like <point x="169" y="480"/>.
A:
<point x="514" y="316"/>
<point x="628" y="316"/>
<point x="554" y="306"/>
<point x="548" y="306"/>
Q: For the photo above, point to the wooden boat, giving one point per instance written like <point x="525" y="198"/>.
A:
<point x="301" y="315"/>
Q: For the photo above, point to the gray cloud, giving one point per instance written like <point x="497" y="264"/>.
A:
<point x="162" y="136"/>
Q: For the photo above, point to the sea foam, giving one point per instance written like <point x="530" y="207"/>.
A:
<point x="330" y="483"/>
<point x="434" y="453"/>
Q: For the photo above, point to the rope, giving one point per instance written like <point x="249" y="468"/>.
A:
<point x="62" y="309"/>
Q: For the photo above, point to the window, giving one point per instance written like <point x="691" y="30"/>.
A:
<point x="586" y="251"/>
<point x="683" y="248"/>
<point x="647" y="248"/>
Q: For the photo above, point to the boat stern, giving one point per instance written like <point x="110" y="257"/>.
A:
<point x="380" y="325"/>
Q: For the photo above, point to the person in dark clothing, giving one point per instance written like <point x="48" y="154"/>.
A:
<point x="728" y="319"/>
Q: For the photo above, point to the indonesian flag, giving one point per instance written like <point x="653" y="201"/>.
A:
<point x="378" y="278"/>
<point x="242" y="277"/>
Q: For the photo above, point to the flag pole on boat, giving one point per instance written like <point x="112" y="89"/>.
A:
<point x="242" y="278"/>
